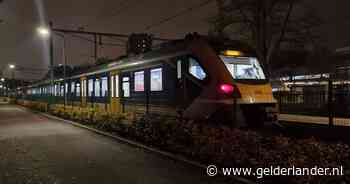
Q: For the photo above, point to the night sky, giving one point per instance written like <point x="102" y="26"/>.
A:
<point x="21" y="45"/>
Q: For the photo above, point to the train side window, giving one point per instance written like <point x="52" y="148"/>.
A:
<point x="178" y="64"/>
<point x="56" y="90"/>
<point x="62" y="90"/>
<point x="77" y="91"/>
<point x="156" y="79"/>
<point x="195" y="69"/>
<point x="66" y="88"/>
<point x="126" y="87"/>
<point x="72" y="89"/>
<point x="104" y="86"/>
<point x="97" y="88"/>
<point x="116" y="78"/>
<point x="91" y="87"/>
<point x="139" y="81"/>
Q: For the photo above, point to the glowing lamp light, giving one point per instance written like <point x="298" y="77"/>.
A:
<point x="226" y="88"/>
<point x="43" y="31"/>
<point x="233" y="53"/>
<point x="12" y="66"/>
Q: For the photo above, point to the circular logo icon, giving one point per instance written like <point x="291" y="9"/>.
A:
<point x="212" y="170"/>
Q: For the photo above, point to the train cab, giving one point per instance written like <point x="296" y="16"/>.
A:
<point x="234" y="86"/>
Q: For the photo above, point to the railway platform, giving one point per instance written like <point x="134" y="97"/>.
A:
<point x="320" y="120"/>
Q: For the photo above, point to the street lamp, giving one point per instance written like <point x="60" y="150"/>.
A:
<point x="43" y="31"/>
<point x="11" y="66"/>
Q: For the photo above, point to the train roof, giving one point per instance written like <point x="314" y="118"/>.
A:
<point x="162" y="51"/>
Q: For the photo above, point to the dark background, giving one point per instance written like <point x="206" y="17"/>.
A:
<point x="21" y="45"/>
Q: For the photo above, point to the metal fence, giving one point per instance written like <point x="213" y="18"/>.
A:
<point x="326" y="104"/>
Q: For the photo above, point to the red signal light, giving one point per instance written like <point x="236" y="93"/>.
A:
<point x="226" y="88"/>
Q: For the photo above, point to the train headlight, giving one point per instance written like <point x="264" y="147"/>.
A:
<point x="227" y="89"/>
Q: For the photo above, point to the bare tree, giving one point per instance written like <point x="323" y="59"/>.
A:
<point x="266" y="24"/>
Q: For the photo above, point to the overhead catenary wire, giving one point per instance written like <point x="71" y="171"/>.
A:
<point x="92" y="41"/>
<point x="180" y="13"/>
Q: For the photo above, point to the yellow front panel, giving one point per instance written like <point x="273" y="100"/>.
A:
<point x="115" y="101"/>
<point x="255" y="93"/>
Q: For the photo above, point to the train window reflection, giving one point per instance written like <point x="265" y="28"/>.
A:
<point x="62" y="90"/>
<point x="244" y="67"/>
<point x="156" y="79"/>
<point x="97" y="88"/>
<point x="195" y="69"/>
<point x="78" y="89"/>
<point x="91" y="87"/>
<point x="72" y="88"/>
<point x="104" y="87"/>
<point x="139" y="81"/>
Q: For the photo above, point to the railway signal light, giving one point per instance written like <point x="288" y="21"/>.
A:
<point x="139" y="43"/>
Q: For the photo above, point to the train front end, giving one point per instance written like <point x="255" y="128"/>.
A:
<point x="255" y="101"/>
<point x="237" y="89"/>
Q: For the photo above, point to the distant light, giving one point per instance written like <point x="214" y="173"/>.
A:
<point x="232" y="53"/>
<point x="12" y="66"/>
<point x="2" y="79"/>
<point x="43" y="31"/>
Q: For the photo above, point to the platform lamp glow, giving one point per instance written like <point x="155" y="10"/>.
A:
<point x="12" y="68"/>
<point x="43" y="31"/>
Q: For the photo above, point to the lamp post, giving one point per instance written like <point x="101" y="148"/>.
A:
<point x="46" y="32"/>
<point x="64" y="57"/>
<point x="49" y="33"/>
<point x="12" y="68"/>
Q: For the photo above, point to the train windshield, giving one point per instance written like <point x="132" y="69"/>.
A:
<point x="244" y="67"/>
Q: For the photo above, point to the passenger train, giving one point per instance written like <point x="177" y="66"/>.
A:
<point x="196" y="78"/>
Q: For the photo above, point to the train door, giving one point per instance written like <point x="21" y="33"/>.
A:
<point x="191" y="76"/>
<point x="114" y="90"/>
<point x="83" y="90"/>
<point x="125" y="90"/>
<point x="90" y="94"/>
